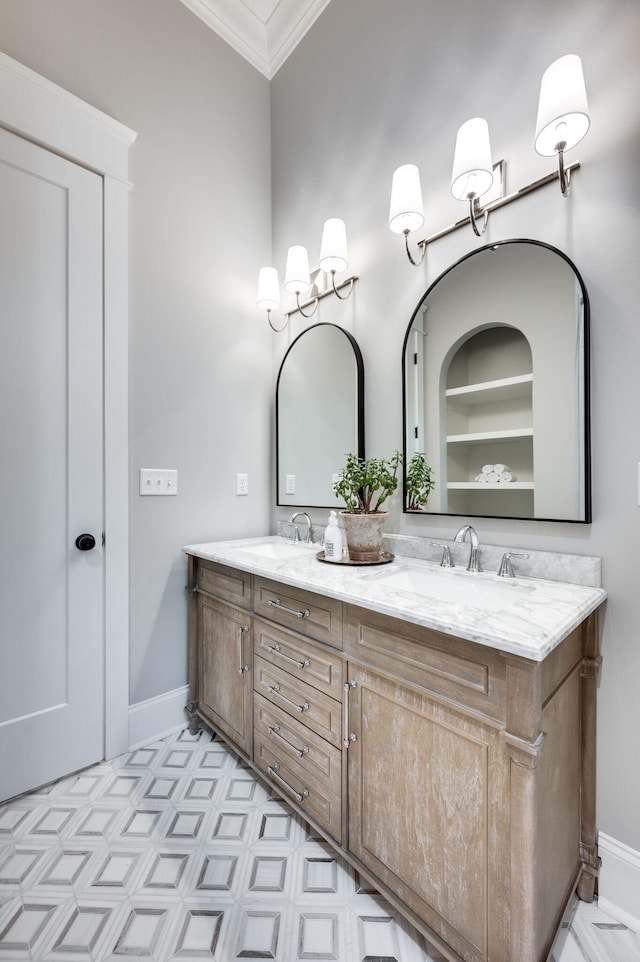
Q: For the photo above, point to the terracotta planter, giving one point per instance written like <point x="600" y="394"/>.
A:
<point x="364" y="535"/>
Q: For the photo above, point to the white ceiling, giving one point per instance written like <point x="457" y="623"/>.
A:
<point x="264" y="31"/>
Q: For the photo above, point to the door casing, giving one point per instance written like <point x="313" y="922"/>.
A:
<point x="44" y="113"/>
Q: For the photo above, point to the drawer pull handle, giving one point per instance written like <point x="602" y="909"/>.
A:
<point x="300" y="752"/>
<point x="275" y="650"/>
<point x="242" y="668"/>
<point x="273" y="771"/>
<point x="276" y="603"/>
<point x="275" y="690"/>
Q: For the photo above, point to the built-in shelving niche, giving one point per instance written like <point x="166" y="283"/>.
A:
<point x="489" y="420"/>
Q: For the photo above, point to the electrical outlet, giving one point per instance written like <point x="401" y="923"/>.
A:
<point x="242" y="484"/>
<point x="291" y="484"/>
<point x="158" y="481"/>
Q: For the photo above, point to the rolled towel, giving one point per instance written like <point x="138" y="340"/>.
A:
<point x="507" y="476"/>
<point x="493" y="478"/>
<point x="488" y="468"/>
<point x="500" y="468"/>
<point x="482" y="478"/>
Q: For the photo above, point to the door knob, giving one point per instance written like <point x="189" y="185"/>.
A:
<point x="85" y="542"/>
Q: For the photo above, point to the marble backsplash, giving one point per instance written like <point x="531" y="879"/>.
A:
<point x="549" y="565"/>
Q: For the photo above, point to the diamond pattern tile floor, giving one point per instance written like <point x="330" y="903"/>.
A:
<point x="174" y="851"/>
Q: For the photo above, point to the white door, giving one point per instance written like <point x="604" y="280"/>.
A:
<point x="51" y="480"/>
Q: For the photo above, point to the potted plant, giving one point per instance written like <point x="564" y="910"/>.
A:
<point x="365" y="485"/>
<point x="419" y="482"/>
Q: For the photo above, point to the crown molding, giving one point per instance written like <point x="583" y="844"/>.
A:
<point x="264" y="32"/>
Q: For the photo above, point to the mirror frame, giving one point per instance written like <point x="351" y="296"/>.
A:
<point x="359" y="413"/>
<point x="586" y="392"/>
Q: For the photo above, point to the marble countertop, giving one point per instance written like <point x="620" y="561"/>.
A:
<point x="531" y="622"/>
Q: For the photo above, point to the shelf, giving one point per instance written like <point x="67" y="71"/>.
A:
<point x="487" y="436"/>
<point x="504" y="389"/>
<point x="489" y="486"/>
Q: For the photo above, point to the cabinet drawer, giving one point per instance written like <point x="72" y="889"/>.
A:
<point x="295" y="783"/>
<point x="457" y="669"/>
<point x="313" y="708"/>
<point x="230" y="584"/>
<point x="313" y="663"/>
<point x="288" y="737"/>
<point x="304" y="611"/>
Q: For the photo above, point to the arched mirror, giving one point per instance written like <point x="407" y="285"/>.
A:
<point x="496" y="386"/>
<point x="319" y="414"/>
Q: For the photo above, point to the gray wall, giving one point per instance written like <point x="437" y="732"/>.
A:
<point x="200" y="360"/>
<point x="376" y="84"/>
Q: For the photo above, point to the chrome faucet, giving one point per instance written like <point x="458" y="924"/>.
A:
<point x="296" y="535"/>
<point x="474" y="553"/>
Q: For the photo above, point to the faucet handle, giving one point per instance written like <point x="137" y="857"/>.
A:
<point x="446" y="561"/>
<point x="506" y="568"/>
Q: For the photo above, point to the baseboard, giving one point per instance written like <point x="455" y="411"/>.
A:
<point x="619" y="881"/>
<point x="157" y="717"/>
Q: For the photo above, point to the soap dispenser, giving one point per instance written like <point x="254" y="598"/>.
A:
<point x="333" y="541"/>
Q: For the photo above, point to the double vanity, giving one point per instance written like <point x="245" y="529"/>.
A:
<point x="436" y="726"/>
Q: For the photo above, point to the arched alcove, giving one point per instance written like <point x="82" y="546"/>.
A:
<point x="487" y="409"/>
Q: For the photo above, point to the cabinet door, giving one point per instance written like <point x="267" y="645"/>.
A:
<point x="428" y="806"/>
<point x="226" y="679"/>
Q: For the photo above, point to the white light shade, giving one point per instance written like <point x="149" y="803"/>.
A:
<point x="268" y="297"/>
<point x="472" y="166"/>
<point x="563" y="112"/>
<point x="296" y="278"/>
<point x="333" y="249"/>
<point x="406" y="211"/>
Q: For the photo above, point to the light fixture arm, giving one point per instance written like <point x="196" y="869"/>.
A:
<point x="416" y="263"/>
<point x="306" y="304"/>
<point x="349" y="282"/>
<point x="336" y="290"/>
<point x="563" y="172"/>
<point x="503" y="201"/>
<point x="278" y="330"/>
<point x="474" y="210"/>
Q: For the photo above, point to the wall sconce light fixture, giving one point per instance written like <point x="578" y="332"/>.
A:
<point x="563" y="112"/>
<point x="333" y="260"/>
<point x="296" y="278"/>
<point x="406" y="211"/>
<point x="563" y="120"/>
<point x="333" y="254"/>
<point x="472" y="174"/>
<point x="268" y="296"/>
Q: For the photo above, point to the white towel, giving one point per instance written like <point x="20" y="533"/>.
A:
<point x="493" y="477"/>
<point x="507" y="476"/>
<point x="482" y="478"/>
<point x="501" y="468"/>
<point x="488" y="468"/>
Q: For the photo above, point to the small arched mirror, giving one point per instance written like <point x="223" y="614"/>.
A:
<point x="319" y="414"/>
<point x="496" y="386"/>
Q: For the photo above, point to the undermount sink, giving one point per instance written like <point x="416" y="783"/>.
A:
<point x="277" y="550"/>
<point x="458" y="587"/>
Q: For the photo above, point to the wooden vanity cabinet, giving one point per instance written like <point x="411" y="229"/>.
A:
<point x="220" y="655"/>
<point x="471" y="786"/>
<point x="298" y="707"/>
<point x="458" y="778"/>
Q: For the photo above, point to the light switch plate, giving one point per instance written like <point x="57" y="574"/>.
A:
<point x="291" y="484"/>
<point x="158" y="481"/>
